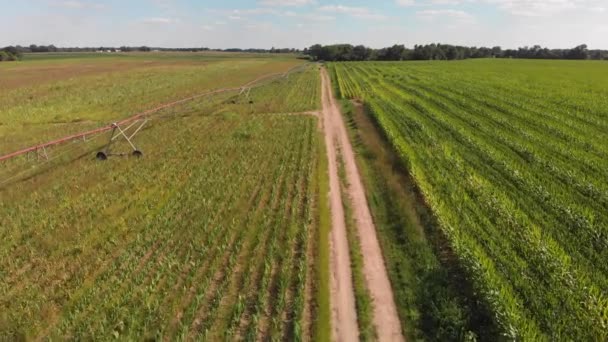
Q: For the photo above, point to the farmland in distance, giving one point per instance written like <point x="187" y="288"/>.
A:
<point x="511" y="159"/>
<point x="212" y="234"/>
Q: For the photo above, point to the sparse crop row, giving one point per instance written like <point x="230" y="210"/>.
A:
<point x="297" y="92"/>
<point x="516" y="174"/>
<point x="205" y="237"/>
<point x="44" y="109"/>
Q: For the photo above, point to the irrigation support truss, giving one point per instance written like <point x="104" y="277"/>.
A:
<point x="41" y="149"/>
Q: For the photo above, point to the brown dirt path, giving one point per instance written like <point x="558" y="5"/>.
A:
<point x="343" y="311"/>
<point x="386" y="319"/>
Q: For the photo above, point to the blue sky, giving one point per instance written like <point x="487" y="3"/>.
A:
<point x="300" y="23"/>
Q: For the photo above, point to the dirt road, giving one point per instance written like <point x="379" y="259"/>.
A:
<point x="386" y="320"/>
<point x="343" y="311"/>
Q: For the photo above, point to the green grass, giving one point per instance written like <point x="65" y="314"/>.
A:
<point x="208" y="235"/>
<point x="322" y="314"/>
<point x="510" y="156"/>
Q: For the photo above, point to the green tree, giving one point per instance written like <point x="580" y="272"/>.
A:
<point x="361" y="53"/>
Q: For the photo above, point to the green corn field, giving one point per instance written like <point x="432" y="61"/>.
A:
<point x="512" y="159"/>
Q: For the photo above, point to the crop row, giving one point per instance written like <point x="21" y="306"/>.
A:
<point x="204" y="237"/>
<point x="516" y="180"/>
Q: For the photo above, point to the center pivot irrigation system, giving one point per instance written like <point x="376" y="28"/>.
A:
<point x="122" y="129"/>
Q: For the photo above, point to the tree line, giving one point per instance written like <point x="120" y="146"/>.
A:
<point x="33" y="48"/>
<point x="347" y="52"/>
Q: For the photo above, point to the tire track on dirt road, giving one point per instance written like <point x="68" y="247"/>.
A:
<point x="343" y="312"/>
<point x="386" y="320"/>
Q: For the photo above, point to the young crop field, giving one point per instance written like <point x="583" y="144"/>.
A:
<point x="42" y="99"/>
<point x="213" y="234"/>
<point x="511" y="159"/>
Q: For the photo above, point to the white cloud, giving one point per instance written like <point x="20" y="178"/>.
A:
<point x="444" y="12"/>
<point x="316" y="17"/>
<point x="251" y="14"/>
<point x="405" y="2"/>
<point x="157" y="21"/>
<point x="448" y="2"/>
<point x="260" y="26"/>
<point x="75" y="4"/>
<point x="456" y="15"/>
<point x="533" y="7"/>
<point x="164" y="4"/>
<point x="514" y="6"/>
<point x="344" y="9"/>
<point x="254" y="11"/>
<point x="528" y="8"/>
<point x="286" y="3"/>
<point x="357" y="12"/>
